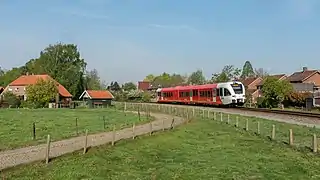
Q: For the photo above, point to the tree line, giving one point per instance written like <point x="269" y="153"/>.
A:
<point x="64" y="64"/>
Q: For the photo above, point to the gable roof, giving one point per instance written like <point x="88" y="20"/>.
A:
<point x="301" y="75"/>
<point x="97" y="94"/>
<point x="246" y="82"/>
<point x="25" y="80"/>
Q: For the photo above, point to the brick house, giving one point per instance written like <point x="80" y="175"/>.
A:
<point x="18" y="87"/>
<point x="306" y="77"/>
<point x="307" y="81"/>
<point x="96" y="98"/>
<point x="250" y="85"/>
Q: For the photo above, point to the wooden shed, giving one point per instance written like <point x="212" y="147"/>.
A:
<point x="97" y="98"/>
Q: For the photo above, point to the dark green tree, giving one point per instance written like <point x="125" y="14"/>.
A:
<point x="197" y="77"/>
<point x="247" y="70"/>
<point x="128" y="86"/>
<point x="228" y="73"/>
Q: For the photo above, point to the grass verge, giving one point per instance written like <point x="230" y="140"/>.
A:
<point x="16" y="125"/>
<point x="202" y="149"/>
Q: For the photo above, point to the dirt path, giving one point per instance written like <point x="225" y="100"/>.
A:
<point x="30" y="154"/>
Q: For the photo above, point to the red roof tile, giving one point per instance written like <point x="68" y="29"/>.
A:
<point x="248" y="81"/>
<point x="99" y="94"/>
<point x="32" y="79"/>
<point x="301" y="76"/>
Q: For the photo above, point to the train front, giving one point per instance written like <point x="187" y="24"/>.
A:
<point x="239" y="95"/>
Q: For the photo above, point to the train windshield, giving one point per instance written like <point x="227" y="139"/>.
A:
<point x="237" y="88"/>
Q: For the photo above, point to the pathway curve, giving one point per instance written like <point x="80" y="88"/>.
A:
<point x="30" y="154"/>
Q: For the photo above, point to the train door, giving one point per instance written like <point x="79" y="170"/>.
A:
<point x="225" y="96"/>
<point x="214" y="95"/>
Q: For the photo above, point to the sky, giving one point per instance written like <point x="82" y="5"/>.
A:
<point x="125" y="40"/>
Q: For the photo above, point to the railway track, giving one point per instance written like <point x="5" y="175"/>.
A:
<point x="262" y="110"/>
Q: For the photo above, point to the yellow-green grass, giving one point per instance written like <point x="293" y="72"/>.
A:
<point x="202" y="149"/>
<point x="16" y="125"/>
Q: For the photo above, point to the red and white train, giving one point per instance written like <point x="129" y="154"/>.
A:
<point x="220" y="94"/>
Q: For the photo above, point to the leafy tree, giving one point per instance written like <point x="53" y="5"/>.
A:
<point x="114" y="86"/>
<point x="197" y="77"/>
<point x="12" y="100"/>
<point x="128" y="86"/>
<point x="149" y="78"/>
<point x="247" y="70"/>
<point x="9" y="76"/>
<point x="275" y="91"/>
<point x="228" y="73"/>
<point x="92" y="80"/>
<point x="41" y="93"/>
<point x="63" y="63"/>
<point x="260" y="72"/>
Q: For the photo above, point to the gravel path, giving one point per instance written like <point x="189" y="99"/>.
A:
<point x="30" y="154"/>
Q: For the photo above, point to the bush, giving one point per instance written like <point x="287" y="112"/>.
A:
<point x="12" y="100"/>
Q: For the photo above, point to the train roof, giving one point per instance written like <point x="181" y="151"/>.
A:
<point x="190" y="87"/>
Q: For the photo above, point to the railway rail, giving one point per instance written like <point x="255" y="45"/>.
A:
<point x="262" y="110"/>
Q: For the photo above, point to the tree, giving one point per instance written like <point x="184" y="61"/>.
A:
<point x="197" y="77"/>
<point x="275" y="91"/>
<point x="149" y="78"/>
<point x="228" y="73"/>
<point x="247" y="70"/>
<point x="9" y="76"/>
<point x="12" y="100"/>
<point x="41" y="93"/>
<point x="114" y="86"/>
<point x="63" y="63"/>
<point x="260" y="72"/>
<point x="128" y="86"/>
<point x="92" y="80"/>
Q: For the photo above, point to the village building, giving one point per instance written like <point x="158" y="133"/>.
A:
<point x="97" y="98"/>
<point x="18" y="87"/>
<point x="250" y="85"/>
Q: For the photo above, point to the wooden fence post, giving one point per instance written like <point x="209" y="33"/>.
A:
<point x="237" y="121"/>
<point x="258" y="127"/>
<point x="214" y="116"/>
<point x="162" y="124"/>
<point x="247" y="125"/>
<point x="202" y="113"/>
<point x="221" y="117"/>
<point x="48" y="149"/>
<point x="228" y="120"/>
<point x="133" y="130"/>
<point x="77" y="129"/>
<point x="113" y="135"/>
<point x="315" y="143"/>
<point x="208" y="114"/>
<point x="150" y="126"/>
<point x="273" y="132"/>
<point x="290" y="137"/>
<point x="34" y="130"/>
<point x="172" y="123"/>
<point x="192" y="112"/>
<point x="85" y="142"/>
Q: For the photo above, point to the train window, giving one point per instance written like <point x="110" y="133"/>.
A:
<point x="221" y="91"/>
<point x="214" y="93"/>
<point x="187" y="94"/>
<point x="195" y="93"/>
<point x="237" y="88"/>
<point x="209" y="93"/>
<point x="226" y="92"/>
<point x="217" y="92"/>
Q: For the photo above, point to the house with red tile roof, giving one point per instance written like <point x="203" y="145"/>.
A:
<point x="96" y="98"/>
<point x="304" y="77"/>
<point x="18" y="86"/>
<point x="144" y="85"/>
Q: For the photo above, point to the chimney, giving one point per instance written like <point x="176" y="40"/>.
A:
<point x="304" y="69"/>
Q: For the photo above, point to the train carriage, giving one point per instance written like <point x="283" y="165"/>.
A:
<point x="228" y="93"/>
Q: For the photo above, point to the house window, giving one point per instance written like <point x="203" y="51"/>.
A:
<point x="10" y="89"/>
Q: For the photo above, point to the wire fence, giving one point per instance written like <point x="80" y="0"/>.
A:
<point x="298" y="136"/>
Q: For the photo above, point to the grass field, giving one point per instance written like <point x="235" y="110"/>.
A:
<point x="16" y="125"/>
<point x="203" y="149"/>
